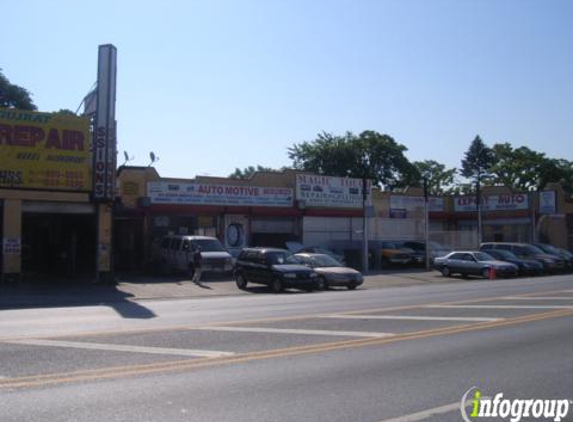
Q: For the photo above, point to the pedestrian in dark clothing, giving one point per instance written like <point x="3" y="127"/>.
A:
<point x="197" y="265"/>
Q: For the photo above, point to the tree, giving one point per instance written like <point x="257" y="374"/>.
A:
<point x="249" y="171"/>
<point x="440" y="180"/>
<point x="372" y="155"/>
<point x="14" y="96"/>
<point x="477" y="165"/>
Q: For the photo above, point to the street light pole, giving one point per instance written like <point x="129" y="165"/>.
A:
<point x="364" y="226"/>
<point x="427" y="223"/>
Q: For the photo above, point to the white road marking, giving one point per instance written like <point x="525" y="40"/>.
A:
<point x="297" y="331"/>
<point x="537" y="298"/>
<point x="496" y="307"/>
<point x="425" y="414"/>
<point x="413" y="318"/>
<point x="121" y="348"/>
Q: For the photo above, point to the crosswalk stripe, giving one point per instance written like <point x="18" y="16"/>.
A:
<point x="497" y="307"/>
<point x="121" y="348"/>
<point x="296" y="331"/>
<point x="413" y="318"/>
<point x="538" y="298"/>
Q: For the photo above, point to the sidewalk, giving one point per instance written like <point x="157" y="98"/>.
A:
<point x="141" y="287"/>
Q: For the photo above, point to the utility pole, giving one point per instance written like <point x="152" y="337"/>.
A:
<point x="427" y="223"/>
<point x="364" y="226"/>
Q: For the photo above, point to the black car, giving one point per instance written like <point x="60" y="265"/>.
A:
<point x="550" y="249"/>
<point x="525" y="266"/>
<point x="276" y="268"/>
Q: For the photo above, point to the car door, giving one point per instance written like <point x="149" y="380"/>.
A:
<point x="456" y="263"/>
<point x="471" y="265"/>
<point x="184" y="254"/>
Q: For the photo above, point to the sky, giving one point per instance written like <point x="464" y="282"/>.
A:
<point x="210" y="86"/>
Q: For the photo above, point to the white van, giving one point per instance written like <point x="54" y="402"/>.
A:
<point x="177" y="254"/>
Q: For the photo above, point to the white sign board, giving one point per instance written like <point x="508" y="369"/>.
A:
<point x="411" y="203"/>
<point x="501" y="202"/>
<point x="330" y="192"/>
<point x="226" y="195"/>
<point x="547" y="202"/>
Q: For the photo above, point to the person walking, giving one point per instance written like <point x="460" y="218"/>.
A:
<point x="197" y="265"/>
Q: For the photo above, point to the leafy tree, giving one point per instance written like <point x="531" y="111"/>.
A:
<point x="440" y="180"/>
<point x="249" y="171"/>
<point x="14" y="96"/>
<point x="518" y="168"/>
<point x="372" y="155"/>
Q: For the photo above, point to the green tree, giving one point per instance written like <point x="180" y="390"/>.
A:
<point x="440" y="179"/>
<point x="478" y="161"/>
<point x="372" y="155"/>
<point x="249" y="171"/>
<point x="14" y="96"/>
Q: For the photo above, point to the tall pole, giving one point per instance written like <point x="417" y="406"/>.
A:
<point x="364" y="226"/>
<point x="478" y="204"/>
<point x="427" y="224"/>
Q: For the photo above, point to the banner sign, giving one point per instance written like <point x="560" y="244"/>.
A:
<point x="226" y="195"/>
<point x="411" y="203"/>
<point x="44" y="151"/>
<point x="547" y="202"/>
<point x="502" y="202"/>
<point x="330" y="192"/>
<point x="105" y="144"/>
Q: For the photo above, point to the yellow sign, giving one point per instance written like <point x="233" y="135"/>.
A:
<point x="44" y="151"/>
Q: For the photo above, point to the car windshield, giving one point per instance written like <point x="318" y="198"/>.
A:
<point x="482" y="256"/>
<point x="549" y="249"/>
<point x="209" y="245"/>
<point x="280" y="258"/>
<point x="533" y="250"/>
<point x="504" y="254"/>
<point x="321" y="260"/>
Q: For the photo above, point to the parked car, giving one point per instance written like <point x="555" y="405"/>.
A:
<point x="473" y="263"/>
<point x="394" y="254"/>
<point x="419" y="249"/>
<point x="330" y="271"/>
<point x="296" y="248"/>
<point x="552" y="250"/>
<point x="176" y="254"/>
<point x="276" y="268"/>
<point x="551" y="263"/>
<point x="525" y="266"/>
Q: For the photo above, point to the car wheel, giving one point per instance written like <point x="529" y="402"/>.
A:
<point x="241" y="281"/>
<point x="485" y="273"/>
<point x="277" y="286"/>
<point x="351" y="286"/>
<point x="446" y="272"/>
<point x="322" y="285"/>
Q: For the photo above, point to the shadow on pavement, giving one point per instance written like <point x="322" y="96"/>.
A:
<point x="52" y="294"/>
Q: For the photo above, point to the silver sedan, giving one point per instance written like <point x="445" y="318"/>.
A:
<point x="330" y="271"/>
<point x="473" y="263"/>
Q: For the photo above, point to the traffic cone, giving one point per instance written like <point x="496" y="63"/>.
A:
<point x="492" y="273"/>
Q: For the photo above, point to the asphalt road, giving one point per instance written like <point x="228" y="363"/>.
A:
<point x="396" y="354"/>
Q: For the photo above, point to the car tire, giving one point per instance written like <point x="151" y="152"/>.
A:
<point x="352" y="286"/>
<point x="485" y="273"/>
<point x="276" y="285"/>
<point x="322" y="284"/>
<point x="446" y="272"/>
<point x="241" y="281"/>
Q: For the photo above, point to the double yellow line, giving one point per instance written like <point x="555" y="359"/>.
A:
<point x="191" y="364"/>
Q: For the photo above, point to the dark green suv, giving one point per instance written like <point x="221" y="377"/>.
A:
<point x="276" y="268"/>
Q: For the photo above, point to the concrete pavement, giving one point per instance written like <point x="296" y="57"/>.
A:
<point x="139" y="287"/>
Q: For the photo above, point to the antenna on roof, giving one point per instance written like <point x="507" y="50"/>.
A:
<point x="153" y="158"/>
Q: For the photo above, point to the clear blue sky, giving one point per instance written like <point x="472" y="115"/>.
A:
<point x="214" y="85"/>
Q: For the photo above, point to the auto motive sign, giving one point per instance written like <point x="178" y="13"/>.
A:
<point x="329" y="191"/>
<point x="226" y="195"/>
<point x="501" y="202"/>
<point x="44" y="151"/>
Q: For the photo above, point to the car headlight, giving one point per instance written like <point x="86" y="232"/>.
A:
<point x="290" y="275"/>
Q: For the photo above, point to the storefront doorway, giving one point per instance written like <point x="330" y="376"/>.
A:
<point x="58" y="247"/>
